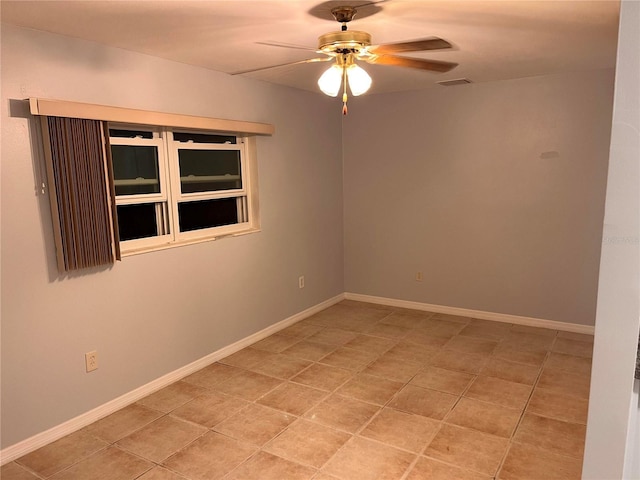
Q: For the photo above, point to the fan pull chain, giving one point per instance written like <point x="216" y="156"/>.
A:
<point x="344" y="93"/>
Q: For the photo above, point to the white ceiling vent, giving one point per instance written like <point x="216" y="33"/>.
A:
<point x="451" y="83"/>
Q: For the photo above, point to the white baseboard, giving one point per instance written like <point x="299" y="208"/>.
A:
<point x="497" y="317"/>
<point x="41" y="439"/>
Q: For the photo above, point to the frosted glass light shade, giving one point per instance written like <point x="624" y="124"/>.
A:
<point x="359" y="80"/>
<point x="330" y="81"/>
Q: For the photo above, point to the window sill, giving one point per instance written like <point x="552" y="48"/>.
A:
<point x="165" y="246"/>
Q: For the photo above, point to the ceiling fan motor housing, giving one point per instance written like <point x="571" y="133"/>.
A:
<point x="350" y="41"/>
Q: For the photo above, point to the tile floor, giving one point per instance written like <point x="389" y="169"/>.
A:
<point x="355" y="392"/>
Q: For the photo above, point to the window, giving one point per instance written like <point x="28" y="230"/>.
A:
<point x="142" y="180"/>
<point x="175" y="186"/>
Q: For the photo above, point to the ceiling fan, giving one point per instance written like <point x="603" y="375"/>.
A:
<point x="346" y="47"/>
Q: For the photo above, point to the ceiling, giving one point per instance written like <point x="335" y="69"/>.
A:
<point x="492" y="40"/>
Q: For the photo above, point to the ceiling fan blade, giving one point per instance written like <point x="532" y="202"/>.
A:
<point x="419" y="63"/>
<point x="309" y="60"/>
<point x="413" y="46"/>
<point x="287" y="45"/>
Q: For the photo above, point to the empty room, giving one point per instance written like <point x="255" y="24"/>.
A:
<point x="339" y="240"/>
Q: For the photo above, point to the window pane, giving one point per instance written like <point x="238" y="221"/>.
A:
<point x="209" y="170"/>
<point x="135" y="169"/>
<point x="137" y="221"/>
<point x="207" y="214"/>
<point x="203" y="138"/>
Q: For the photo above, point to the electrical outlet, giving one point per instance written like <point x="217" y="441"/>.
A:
<point x="91" y="361"/>
<point x="301" y="281"/>
<point x="418" y="276"/>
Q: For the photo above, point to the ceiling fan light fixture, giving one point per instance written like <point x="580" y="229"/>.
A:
<point x="330" y="81"/>
<point x="359" y="80"/>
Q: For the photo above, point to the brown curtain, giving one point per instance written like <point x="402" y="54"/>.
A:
<point x="80" y="189"/>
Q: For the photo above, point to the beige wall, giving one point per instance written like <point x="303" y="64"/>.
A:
<point x="495" y="191"/>
<point x="156" y="312"/>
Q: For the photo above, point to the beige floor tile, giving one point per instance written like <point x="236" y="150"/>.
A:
<point x="565" y="382"/>
<point x="265" y="466"/>
<point x="370" y="389"/>
<point x="484" y="417"/>
<point x="463" y="362"/>
<point x="388" y="331"/>
<point x="451" y="318"/>
<point x="428" y="468"/>
<point x="293" y="398"/>
<point x="324" y="476"/>
<point x="581" y="337"/>
<point x="573" y="347"/>
<point x="364" y="459"/>
<point x="511" y="371"/>
<point x="447" y="381"/>
<point x="300" y="330"/>
<point x="282" y="366"/>
<point x="560" y="437"/>
<point x="356" y="324"/>
<point x="255" y="424"/>
<point x="393" y="368"/>
<point x="422" y="401"/>
<point x="210" y="457"/>
<point x="514" y="353"/>
<point x="275" y="343"/>
<point x="109" y="464"/>
<point x="342" y="314"/>
<point x="171" y="397"/>
<point x="442" y="328"/>
<point x="425" y="339"/>
<point x="413" y="352"/>
<point x="569" y="363"/>
<point x="13" y="471"/>
<point x="473" y="345"/>
<point x="212" y="375"/>
<point x="406" y="320"/>
<point x="323" y="377"/>
<point x="248" y="385"/>
<point x="468" y="449"/>
<point x="500" y="392"/>
<point x="547" y="403"/>
<point x="402" y="430"/>
<point x="161" y="438"/>
<point x="307" y="443"/>
<point x="349" y="358"/>
<point x="210" y="409"/>
<point x="332" y="336"/>
<point x="123" y="422"/>
<point x="62" y="453"/>
<point x="342" y="413"/>
<point x="247" y="358"/>
<point x="527" y="462"/>
<point x="371" y="344"/>
<point x="529" y="341"/>
<point x="309" y="350"/>
<point x="486" y="329"/>
<point x="545" y="332"/>
<point x="160" y="473"/>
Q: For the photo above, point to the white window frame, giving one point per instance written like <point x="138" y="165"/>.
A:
<point x="164" y="217"/>
<point x="171" y="193"/>
<point x="179" y="197"/>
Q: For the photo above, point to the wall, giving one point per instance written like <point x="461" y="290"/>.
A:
<point x="612" y="449"/>
<point x="153" y="313"/>
<point x="494" y="191"/>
